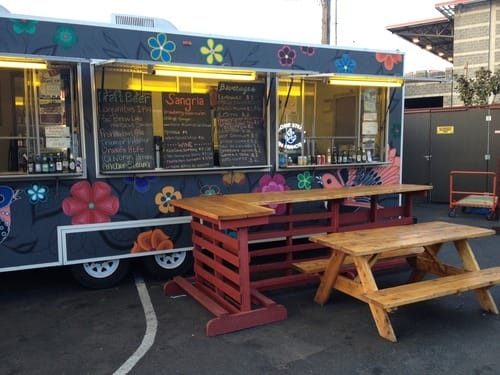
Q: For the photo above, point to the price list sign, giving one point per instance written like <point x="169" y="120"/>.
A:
<point x="125" y="130"/>
<point x="187" y="128"/>
<point x="240" y="124"/>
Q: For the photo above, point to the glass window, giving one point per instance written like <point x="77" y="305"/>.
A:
<point x="149" y="121"/>
<point x="319" y="123"/>
<point x="39" y="127"/>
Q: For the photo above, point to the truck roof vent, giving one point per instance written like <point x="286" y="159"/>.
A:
<point x="142" y="22"/>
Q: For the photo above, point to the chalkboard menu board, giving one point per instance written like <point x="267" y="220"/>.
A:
<point x="240" y="124"/>
<point x="187" y="128"/>
<point x="125" y="130"/>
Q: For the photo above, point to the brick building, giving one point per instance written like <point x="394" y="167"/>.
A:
<point x="468" y="35"/>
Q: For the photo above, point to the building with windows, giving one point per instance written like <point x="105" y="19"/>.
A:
<point x="467" y="34"/>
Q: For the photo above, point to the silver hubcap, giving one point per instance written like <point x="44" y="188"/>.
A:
<point x="170" y="260"/>
<point x="101" y="270"/>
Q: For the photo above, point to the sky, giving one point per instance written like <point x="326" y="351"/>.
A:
<point x="359" y="23"/>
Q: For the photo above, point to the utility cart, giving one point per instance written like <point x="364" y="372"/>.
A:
<point x="460" y="196"/>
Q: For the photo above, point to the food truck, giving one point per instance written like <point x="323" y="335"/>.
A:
<point x="103" y="125"/>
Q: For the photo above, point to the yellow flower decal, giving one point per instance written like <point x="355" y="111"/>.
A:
<point x="212" y="51"/>
<point x="163" y="199"/>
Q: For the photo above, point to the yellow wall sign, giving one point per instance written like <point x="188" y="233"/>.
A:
<point x="449" y="129"/>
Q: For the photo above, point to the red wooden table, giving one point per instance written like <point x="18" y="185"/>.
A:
<point x="241" y="248"/>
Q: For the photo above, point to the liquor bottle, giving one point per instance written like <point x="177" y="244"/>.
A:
<point x="329" y="156"/>
<point x="71" y="164"/>
<point x="65" y="161"/>
<point x="59" y="166"/>
<point x="358" y="155"/>
<point x="52" y="164"/>
<point x="31" y="164"/>
<point x="38" y="164"/>
<point x="345" y="157"/>
<point x="363" y="156"/>
<point x="335" y="156"/>
<point x="45" y="164"/>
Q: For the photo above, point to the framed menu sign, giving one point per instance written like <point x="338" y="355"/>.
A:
<point x="240" y="124"/>
<point x="125" y="130"/>
<point x="187" y="129"/>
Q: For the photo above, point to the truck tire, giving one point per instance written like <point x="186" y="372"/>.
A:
<point x="166" y="266"/>
<point x="102" y="274"/>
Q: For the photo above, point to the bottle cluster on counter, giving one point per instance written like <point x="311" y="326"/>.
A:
<point x="52" y="162"/>
<point x="345" y="156"/>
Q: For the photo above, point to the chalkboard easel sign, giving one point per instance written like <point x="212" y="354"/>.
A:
<point x="125" y="130"/>
<point x="187" y="129"/>
<point x="240" y="124"/>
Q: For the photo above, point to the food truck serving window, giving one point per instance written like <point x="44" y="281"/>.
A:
<point x="39" y="121"/>
<point x="320" y="122"/>
<point x="163" y="120"/>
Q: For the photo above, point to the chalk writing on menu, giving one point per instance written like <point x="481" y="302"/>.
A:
<point x="240" y="124"/>
<point x="125" y="130"/>
<point x="187" y="128"/>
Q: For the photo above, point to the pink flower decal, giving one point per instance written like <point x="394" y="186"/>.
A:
<point x="268" y="183"/>
<point x="389" y="59"/>
<point x="286" y="56"/>
<point x="90" y="203"/>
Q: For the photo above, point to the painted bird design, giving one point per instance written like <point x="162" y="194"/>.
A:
<point x="7" y="196"/>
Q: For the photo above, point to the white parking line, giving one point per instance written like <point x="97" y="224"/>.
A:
<point x="151" y="328"/>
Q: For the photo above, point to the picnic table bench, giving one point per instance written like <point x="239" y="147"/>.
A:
<point x="366" y="247"/>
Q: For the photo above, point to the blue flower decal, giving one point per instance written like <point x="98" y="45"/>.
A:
<point x="141" y="184"/>
<point x="161" y="48"/>
<point x="65" y="37"/>
<point x="210" y="190"/>
<point x="24" y="26"/>
<point x="345" y="64"/>
<point x="37" y="193"/>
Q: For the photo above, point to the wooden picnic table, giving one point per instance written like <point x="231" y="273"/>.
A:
<point x="365" y="247"/>
<point x="241" y="248"/>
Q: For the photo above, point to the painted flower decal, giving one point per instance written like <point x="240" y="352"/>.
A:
<point x="309" y="51"/>
<point x="24" y="26"/>
<point x="212" y="51"/>
<point x="210" y="190"/>
<point x="37" y="193"/>
<point x="152" y="240"/>
<point x="161" y="48"/>
<point x="389" y="59"/>
<point x="345" y="64"/>
<point x="163" y="199"/>
<point x="268" y="183"/>
<point x="286" y="56"/>
<point x="305" y="180"/>
<point x="141" y="184"/>
<point x="65" y="37"/>
<point x="90" y="203"/>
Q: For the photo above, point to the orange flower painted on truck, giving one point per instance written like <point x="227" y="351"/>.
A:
<point x="163" y="199"/>
<point x="152" y="240"/>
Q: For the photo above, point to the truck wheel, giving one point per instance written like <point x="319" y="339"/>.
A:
<point x="101" y="275"/>
<point x="166" y="266"/>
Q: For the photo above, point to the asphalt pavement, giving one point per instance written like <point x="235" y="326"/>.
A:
<point x="51" y="325"/>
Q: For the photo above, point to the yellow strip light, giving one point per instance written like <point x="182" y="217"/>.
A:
<point x="372" y="81"/>
<point x="234" y="75"/>
<point x="22" y="64"/>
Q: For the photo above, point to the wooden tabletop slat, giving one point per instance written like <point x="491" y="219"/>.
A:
<point x="220" y="207"/>
<point x="378" y="240"/>
<point x="247" y="205"/>
<point x="297" y="196"/>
